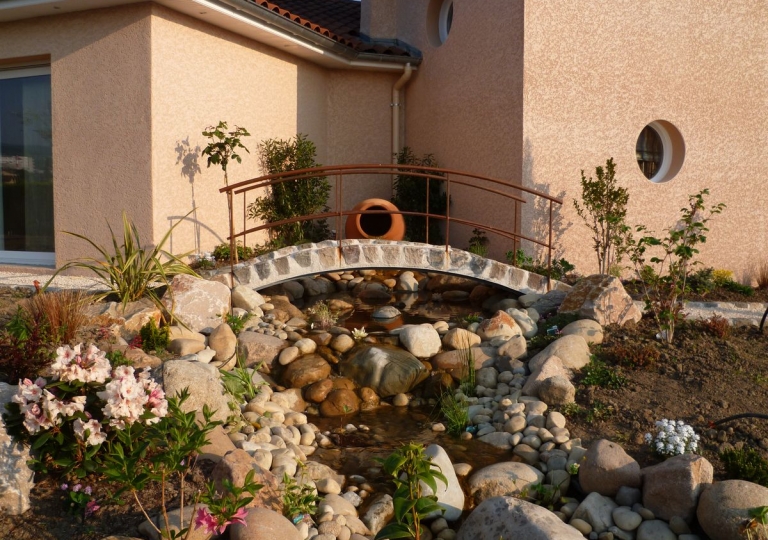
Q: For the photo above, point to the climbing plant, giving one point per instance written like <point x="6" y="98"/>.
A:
<point x="411" y="196"/>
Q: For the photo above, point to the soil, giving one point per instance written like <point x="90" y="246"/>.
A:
<point x="699" y="379"/>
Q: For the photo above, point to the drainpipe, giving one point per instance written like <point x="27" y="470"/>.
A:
<point x="399" y="85"/>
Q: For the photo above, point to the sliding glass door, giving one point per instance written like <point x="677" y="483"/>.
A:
<point x="26" y="192"/>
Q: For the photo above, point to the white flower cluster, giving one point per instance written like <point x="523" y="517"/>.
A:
<point x="71" y="365"/>
<point x="128" y="395"/>
<point x="40" y="407"/>
<point x="673" y="438"/>
<point x="206" y="256"/>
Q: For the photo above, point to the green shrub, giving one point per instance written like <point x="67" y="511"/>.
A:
<point x="298" y="500"/>
<point x="221" y="252"/>
<point x="154" y="338"/>
<point x="292" y="198"/>
<point x="746" y="464"/>
<point x="478" y="243"/>
<point x="702" y="281"/>
<point x="735" y="286"/>
<point x="559" y="269"/>
<point x="411" y="196"/>
<point x="665" y="288"/>
<point x="597" y="373"/>
<point x="604" y="211"/>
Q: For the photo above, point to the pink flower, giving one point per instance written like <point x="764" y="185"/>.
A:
<point x="90" y="508"/>
<point x="239" y="517"/>
<point x="205" y="519"/>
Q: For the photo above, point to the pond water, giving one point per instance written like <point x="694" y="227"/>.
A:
<point x="389" y="427"/>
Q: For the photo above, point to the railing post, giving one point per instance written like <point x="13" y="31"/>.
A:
<point x="426" y="234"/>
<point x="232" y="246"/>
<point x="447" y="209"/>
<point x="549" y="250"/>
<point x="338" y="208"/>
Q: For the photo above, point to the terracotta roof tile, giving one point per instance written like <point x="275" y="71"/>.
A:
<point x="338" y="20"/>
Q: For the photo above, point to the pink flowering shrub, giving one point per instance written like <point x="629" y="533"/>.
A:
<point x="69" y="415"/>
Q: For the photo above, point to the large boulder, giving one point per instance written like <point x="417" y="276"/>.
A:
<point x="450" y="496"/>
<point x="256" y="348"/>
<point x="246" y="298"/>
<point x="317" y="286"/>
<point x="672" y="488"/>
<point x="16" y="478"/>
<point x="455" y="360"/>
<point x="203" y="383"/>
<point x="512" y="518"/>
<point x="552" y="367"/>
<point x="607" y="467"/>
<point x="197" y="303"/>
<point x="505" y="478"/>
<point x="590" y="330"/>
<point x="724" y="507"/>
<point x="387" y="370"/>
<point x="305" y="371"/>
<point x="573" y="351"/>
<point x="603" y="299"/>
<point x="524" y="321"/>
<point x="500" y="325"/>
<point x="264" y="524"/>
<point x="421" y="340"/>
<point x="234" y="467"/>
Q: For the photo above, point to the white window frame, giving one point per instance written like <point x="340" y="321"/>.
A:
<point x="31" y="258"/>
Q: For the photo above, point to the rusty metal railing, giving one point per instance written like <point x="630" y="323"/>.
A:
<point x="448" y="176"/>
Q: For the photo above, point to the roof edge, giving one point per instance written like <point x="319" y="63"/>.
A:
<point x="298" y="32"/>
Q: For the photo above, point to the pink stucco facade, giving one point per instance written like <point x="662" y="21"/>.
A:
<point x="528" y="92"/>
<point x="534" y="92"/>
<point x="134" y="86"/>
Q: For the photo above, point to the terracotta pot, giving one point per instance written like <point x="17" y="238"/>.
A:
<point x="382" y="226"/>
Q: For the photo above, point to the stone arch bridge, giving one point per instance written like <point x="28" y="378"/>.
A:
<point x="306" y="260"/>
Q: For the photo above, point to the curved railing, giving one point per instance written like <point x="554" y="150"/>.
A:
<point x="448" y="177"/>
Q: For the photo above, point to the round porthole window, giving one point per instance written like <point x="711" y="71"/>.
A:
<point x="439" y="21"/>
<point x="446" y="20"/>
<point x="660" y="151"/>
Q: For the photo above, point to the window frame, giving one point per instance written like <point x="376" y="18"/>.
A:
<point x="30" y="258"/>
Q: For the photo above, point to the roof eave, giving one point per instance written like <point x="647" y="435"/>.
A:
<point x="305" y="42"/>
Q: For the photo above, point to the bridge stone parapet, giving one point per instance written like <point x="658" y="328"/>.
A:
<point x="294" y="262"/>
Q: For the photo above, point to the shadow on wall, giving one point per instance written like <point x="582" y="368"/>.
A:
<point x="535" y="218"/>
<point x="187" y="159"/>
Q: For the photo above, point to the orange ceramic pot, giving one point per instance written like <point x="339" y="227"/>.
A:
<point x="381" y="226"/>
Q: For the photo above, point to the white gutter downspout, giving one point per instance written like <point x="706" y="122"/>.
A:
<point x="399" y="85"/>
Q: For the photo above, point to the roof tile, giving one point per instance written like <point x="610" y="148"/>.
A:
<point x="338" y="20"/>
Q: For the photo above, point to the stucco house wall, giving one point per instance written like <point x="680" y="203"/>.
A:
<point x="594" y="77"/>
<point x="134" y="86"/>
<point x="464" y="104"/>
<point x="100" y="98"/>
<point x="534" y="92"/>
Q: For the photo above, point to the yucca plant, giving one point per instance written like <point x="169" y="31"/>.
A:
<point x="131" y="272"/>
